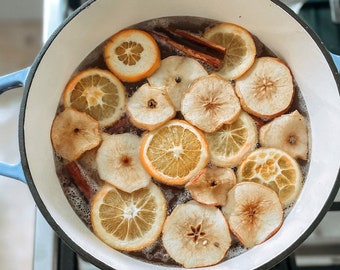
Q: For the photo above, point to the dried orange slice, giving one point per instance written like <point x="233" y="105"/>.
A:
<point x="232" y="142"/>
<point x="150" y="107"/>
<point x="98" y="93"/>
<point x="254" y="213"/>
<point x="128" y="221"/>
<point x="275" y="169"/>
<point x="174" y="152"/>
<point x="267" y="89"/>
<point x="196" y="235"/>
<point x="132" y="55"/>
<point x="240" y="45"/>
<point x="73" y="133"/>
<point x="210" y="102"/>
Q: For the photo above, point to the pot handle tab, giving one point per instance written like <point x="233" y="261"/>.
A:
<point x="13" y="80"/>
<point x="8" y="82"/>
<point x="13" y="171"/>
<point x="336" y="59"/>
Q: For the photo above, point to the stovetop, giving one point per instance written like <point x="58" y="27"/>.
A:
<point x="52" y="253"/>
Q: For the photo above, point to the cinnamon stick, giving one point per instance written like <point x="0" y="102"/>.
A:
<point x="214" y="61"/>
<point x="215" y="48"/>
<point x="79" y="179"/>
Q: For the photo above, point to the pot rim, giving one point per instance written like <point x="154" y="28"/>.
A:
<point x="39" y="201"/>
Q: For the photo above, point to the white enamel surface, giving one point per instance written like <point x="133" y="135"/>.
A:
<point x="266" y="20"/>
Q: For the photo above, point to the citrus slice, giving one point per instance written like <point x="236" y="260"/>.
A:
<point x="210" y="102"/>
<point x="128" y="221"/>
<point x="196" y="235"/>
<point x="132" y="55"/>
<point x="211" y="185"/>
<point x="150" y="107"/>
<point x="275" y="169"/>
<point x="174" y="152"/>
<point x="73" y="133"/>
<point x="267" y="89"/>
<point x="240" y="45"/>
<point x="231" y="143"/>
<point x="176" y="73"/>
<point x="288" y="132"/>
<point x="254" y="213"/>
<point x="118" y="162"/>
<point x="98" y="93"/>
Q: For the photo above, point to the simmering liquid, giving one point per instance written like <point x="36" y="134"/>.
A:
<point x="174" y="195"/>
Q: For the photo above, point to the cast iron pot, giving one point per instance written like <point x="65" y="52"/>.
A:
<point x="276" y="26"/>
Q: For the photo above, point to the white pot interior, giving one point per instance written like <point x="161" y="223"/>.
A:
<point x="273" y="25"/>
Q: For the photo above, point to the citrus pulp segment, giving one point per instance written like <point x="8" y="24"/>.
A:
<point x="128" y="221"/>
<point x="98" y="93"/>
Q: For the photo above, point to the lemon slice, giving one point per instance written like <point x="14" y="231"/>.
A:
<point x="118" y="162"/>
<point x="232" y="142"/>
<point x="254" y="213"/>
<point x="240" y="45"/>
<point x="275" y="169"/>
<point x="174" y="152"/>
<point x="210" y="102"/>
<point x="73" y="133"/>
<point x="150" y="107"/>
<point x="195" y="235"/>
<point x="132" y="55"/>
<point x="175" y="74"/>
<point x="98" y="93"/>
<point x="128" y="221"/>
<point x="267" y="89"/>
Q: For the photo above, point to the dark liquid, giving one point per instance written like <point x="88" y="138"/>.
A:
<point x="174" y="195"/>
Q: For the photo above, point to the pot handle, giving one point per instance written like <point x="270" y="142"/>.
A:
<point x="336" y="59"/>
<point x="8" y="82"/>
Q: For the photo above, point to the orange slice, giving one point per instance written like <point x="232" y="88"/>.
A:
<point x="98" y="93"/>
<point x="132" y="55"/>
<point x="174" y="152"/>
<point x="128" y="221"/>
<point x="240" y="45"/>
<point x="275" y="169"/>
<point x="232" y="142"/>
